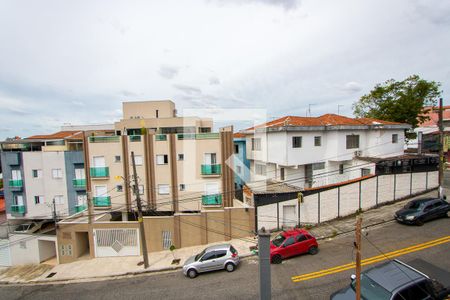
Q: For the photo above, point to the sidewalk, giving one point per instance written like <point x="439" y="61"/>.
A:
<point x="105" y="268"/>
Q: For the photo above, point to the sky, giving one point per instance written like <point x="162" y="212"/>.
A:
<point x="75" y="62"/>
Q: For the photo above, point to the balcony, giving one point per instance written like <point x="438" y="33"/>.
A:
<point x="80" y="208"/>
<point x="215" y="199"/>
<point x="104" y="139"/>
<point x="135" y="138"/>
<point x="99" y="172"/>
<point x="79" y="184"/>
<point x="198" y="136"/>
<point x="16" y="185"/>
<point x="214" y="170"/>
<point x="102" y="201"/>
<point x="18" y="210"/>
<point x="161" y="137"/>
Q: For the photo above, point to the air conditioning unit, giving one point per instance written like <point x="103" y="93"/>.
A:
<point x="358" y="153"/>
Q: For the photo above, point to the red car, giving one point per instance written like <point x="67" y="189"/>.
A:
<point x="290" y="243"/>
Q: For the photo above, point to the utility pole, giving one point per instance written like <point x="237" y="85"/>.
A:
<point x="441" y="148"/>
<point x="139" y="207"/>
<point x="358" y="257"/>
<point x="264" y="265"/>
<point x="54" y="213"/>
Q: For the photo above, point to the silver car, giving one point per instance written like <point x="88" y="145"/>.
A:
<point x="213" y="258"/>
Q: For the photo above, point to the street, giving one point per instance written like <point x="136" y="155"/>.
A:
<point x="243" y="283"/>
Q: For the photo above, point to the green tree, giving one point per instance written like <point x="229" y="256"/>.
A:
<point x="399" y="101"/>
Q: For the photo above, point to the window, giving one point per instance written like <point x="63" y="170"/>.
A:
<point x="82" y="199"/>
<point x="301" y="238"/>
<point x="260" y="169"/>
<point x="238" y="169"/>
<point x="365" y="172"/>
<point x="352" y="141"/>
<point x="141" y="189"/>
<point x="59" y="199"/>
<point x="18" y="200"/>
<point x="157" y="113"/>
<point x="281" y="173"/>
<point x="163" y="189"/>
<point x="56" y="173"/>
<point x="38" y="199"/>
<point x="236" y="149"/>
<point x="162" y="159"/>
<point x="395" y="138"/>
<point x="23" y="244"/>
<point x="341" y="168"/>
<point x="37" y="173"/>
<point x="181" y="156"/>
<point x="210" y="159"/>
<point x="138" y="160"/>
<point x="221" y="253"/>
<point x="117" y="158"/>
<point x="182" y="187"/>
<point x="167" y="239"/>
<point x="80" y="174"/>
<point x="119" y="188"/>
<point x="289" y="241"/>
<point x="317" y="141"/>
<point x="16" y="175"/>
<point x="208" y="256"/>
<point x="66" y="250"/>
<point x="418" y="291"/>
<point x="256" y="144"/>
<point x="204" y="129"/>
<point x="318" y="166"/>
<point x="296" y="142"/>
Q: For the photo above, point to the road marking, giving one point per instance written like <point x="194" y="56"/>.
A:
<point x="372" y="260"/>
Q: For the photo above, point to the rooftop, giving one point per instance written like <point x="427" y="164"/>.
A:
<point x="58" y="135"/>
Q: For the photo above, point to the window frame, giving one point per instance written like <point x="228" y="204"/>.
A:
<point x="256" y="144"/>
<point x="297" y="141"/>
<point x="319" y="139"/>
<point x="59" y="173"/>
<point x="160" y="186"/>
<point x="165" y="159"/>
<point x="395" y="138"/>
<point x="352" y="141"/>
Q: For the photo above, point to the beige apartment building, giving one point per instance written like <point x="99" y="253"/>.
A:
<point x="182" y="166"/>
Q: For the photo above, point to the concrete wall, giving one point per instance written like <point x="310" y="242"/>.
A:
<point x="73" y="159"/>
<point x="348" y="199"/>
<point x="31" y="249"/>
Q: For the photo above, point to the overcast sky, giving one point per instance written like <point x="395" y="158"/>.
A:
<point x="76" y="61"/>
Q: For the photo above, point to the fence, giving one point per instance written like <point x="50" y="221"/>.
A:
<point x="331" y="203"/>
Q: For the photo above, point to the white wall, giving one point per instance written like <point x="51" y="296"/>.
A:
<point x="348" y="202"/>
<point x="46" y="186"/>
<point x="27" y="249"/>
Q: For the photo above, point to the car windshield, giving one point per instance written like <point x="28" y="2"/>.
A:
<point x="278" y="240"/>
<point x="198" y="256"/>
<point x="413" y="205"/>
<point x="371" y="290"/>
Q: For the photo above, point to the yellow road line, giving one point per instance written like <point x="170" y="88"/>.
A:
<point x="372" y="260"/>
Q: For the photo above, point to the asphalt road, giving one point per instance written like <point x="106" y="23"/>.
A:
<point x="243" y="283"/>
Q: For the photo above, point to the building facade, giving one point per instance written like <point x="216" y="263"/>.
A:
<point x="181" y="164"/>
<point x="40" y="170"/>
<point x="241" y="163"/>
<point x="315" y="151"/>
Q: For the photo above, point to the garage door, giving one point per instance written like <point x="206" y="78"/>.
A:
<point x="5" y="255"/>
<point x="116" y="242"/>
<point x="289" y="216"/>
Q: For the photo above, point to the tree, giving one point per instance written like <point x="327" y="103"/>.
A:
<point x="399" y="101"/>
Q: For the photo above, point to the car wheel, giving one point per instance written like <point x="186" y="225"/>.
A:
<point x="276" y="259"/>
<point x="419" y="222"/>
<point x="230" y="267"/>
<point x="313" y="250"/>
<point x="192" y="273"/>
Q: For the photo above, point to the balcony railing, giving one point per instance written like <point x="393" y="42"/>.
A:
<point x="80" y="208"/>
<point x="104" y="139"/>
<point x="16" y="183"/>
<point x="161" y="137"/>
<point x="18" y="209"/>
<point x="135" y="138"/>
<point x="99" y="172"/>
<point x="197" y="136"/>
<point x="211" y="169"/>
<point x="215" y="199"/>
<point x="102" y="201"/>
<point x="79" y="183"/>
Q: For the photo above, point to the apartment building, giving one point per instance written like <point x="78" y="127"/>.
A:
<point x="315" y="151"/>
<point x="181" y="165"/>
<point x="41" y="169"/>
<point x="241" y="163"/>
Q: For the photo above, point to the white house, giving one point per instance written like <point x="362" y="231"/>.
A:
<point x="316" y="151"/>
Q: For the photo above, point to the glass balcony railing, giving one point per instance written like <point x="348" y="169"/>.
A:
<point x="161" y="137"/>
<point x="18" y="209"/>
<point x="135" y="138"/>
<point x="102" y="201"/>
<point x="98" y="172"/>
<point x="79" y="183"/>
<point x="198" y="136"/>
<point x="211" y="169"/>
<point x="215" y="199"/>
<point x="80" y="208"/>
<point x="16" y="183"/>
<point x="104" y="139"/>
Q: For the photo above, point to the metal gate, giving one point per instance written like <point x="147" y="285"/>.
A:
<point x="116" y="242"/>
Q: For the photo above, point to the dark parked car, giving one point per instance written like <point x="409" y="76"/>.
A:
<point x="393" y="280"/>
<point x="421" y="210"/>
